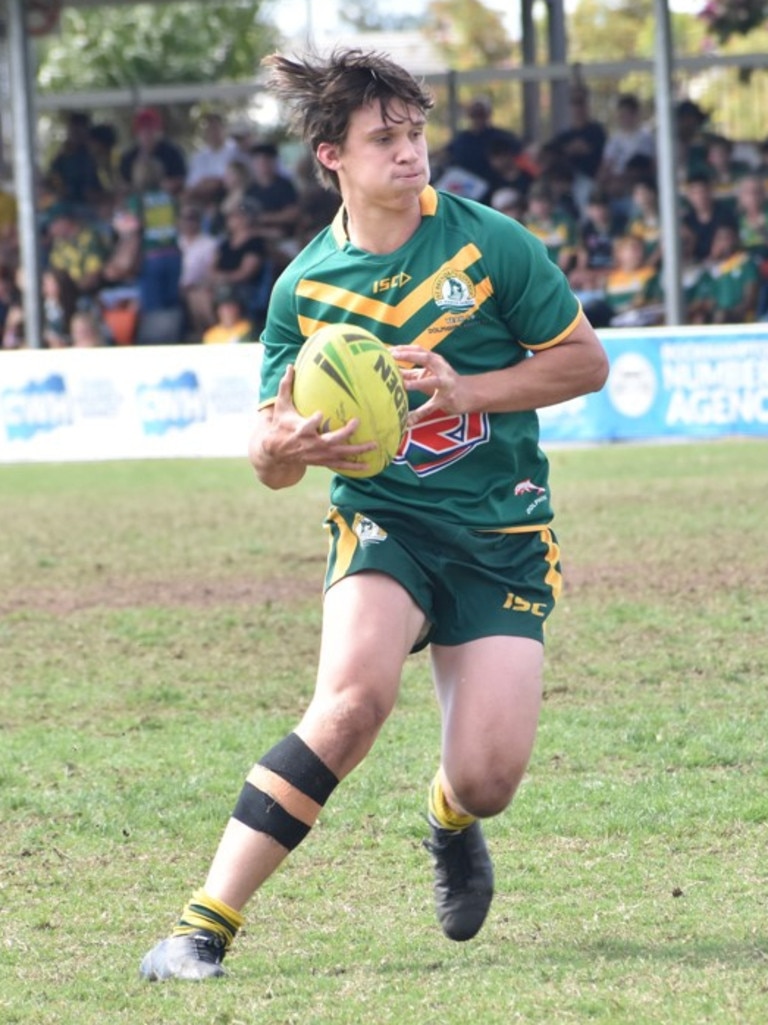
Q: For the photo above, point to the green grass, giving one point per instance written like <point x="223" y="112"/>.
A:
<point x="158" y="630"/>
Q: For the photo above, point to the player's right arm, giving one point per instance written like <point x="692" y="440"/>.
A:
<point x="284" y="443"/>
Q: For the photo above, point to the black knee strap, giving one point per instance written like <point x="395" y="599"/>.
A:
<point x="300" y="771"/>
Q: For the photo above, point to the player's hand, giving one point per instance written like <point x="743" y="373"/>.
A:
<point x="292" y="438"/>
<point x="429" y="373"/>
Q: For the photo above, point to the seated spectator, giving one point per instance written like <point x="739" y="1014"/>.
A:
<point x="582" y="143"/>
<point x="595" y="252"/>
<point x="205" y="184"/>
<point x="725" y="172"/>
<point x="273" y="192"/>
<point x="87" y="330"/>
<point x="632" y="290"/>
<point x="198" y="257"/>
<point x="513" y="168"/>
<point x="102" y="139"/>
<point x="469" y="149"/>
<point x="733" y="279"/>
<point x="509" y="202"/>
<point x="241" y="261"/>
<point x="73" y="170"/>
<point x="627" y="140"/>
<point x="690" y="121"/>
<point x="693" y="280"/>
<point x="553" y="227"/>
<point x="151" y="141"/>
<point x="59" y="295"/>
<point x="237" y="178"/>
<point x="752" y="204"/>
<point x="76" y="248"/>
<point x="159" y="270"/>
<point x="704" y="214"/>
<point x="317" y="208"/>
<point x="231" y="322"/>
<point x="14" y="333"/>
<point x="644" y="218"/>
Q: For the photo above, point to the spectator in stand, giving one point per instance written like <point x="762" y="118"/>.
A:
<point x="87" y="330"/>
<point x="597" y="240"/>
<point x="693" y="279"/>
<point x="555" y="228"/>
<point x="704" y="214"/>
<point x="628" y="140"/>
<point x="725" y="171"/>
<point x="198" y="257"/>
<point x="510" y="202"/>
<point x="317" y="208"/>
<point x="644" y="218"/>
<point x="631" y="292"/>
<point x="151" y="141"/>
<point x="469" y="149"/>
<point x="237" y="178"/>
<point x="9" y="221"/>
<point x="205" y="184"/>
<point x="274" y="193"/>
<point x="733" y="280"/>
<point x="231" y="322"/>
<point x="159" y="266"/>
<point x="59" y="295"/>
<point x="242" y="263"/>
<point x="690" y="120"/>
<point x="76" y="248"/>
<point x="512" y="167"/>
<point x="14" y="333"/>
<point x="102" y="139"/>
<point x="752" y="213"/>
<point x="582" y="144"/>
<point x="73" y="171"/>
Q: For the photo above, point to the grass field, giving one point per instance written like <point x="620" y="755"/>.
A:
<point x="158" y="627"/>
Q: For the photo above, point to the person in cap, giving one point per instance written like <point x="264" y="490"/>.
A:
<point x="151" y="141"/>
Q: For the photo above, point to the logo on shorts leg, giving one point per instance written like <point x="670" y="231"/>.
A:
<point x="368" y="532"/>
<point x="527" y="487"/>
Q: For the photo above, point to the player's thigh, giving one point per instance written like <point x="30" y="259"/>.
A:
<point x="489" y="692"/>
<point x="370" y="624"/>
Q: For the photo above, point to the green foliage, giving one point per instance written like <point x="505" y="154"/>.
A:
<point x="468" y="33"/>
<point x="158" y="630"/>
<point x="111" y="47"/>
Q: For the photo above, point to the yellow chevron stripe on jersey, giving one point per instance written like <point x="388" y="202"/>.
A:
<point x="395" y="314"/>
<point x="435" y="333"/>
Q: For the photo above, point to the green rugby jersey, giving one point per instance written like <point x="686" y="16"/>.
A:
<point x="478" y="288"/>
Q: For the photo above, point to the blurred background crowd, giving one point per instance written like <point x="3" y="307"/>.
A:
<point x="148" y="241"/>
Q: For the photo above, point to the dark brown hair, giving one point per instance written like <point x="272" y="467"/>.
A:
<point x="322" y="93"/>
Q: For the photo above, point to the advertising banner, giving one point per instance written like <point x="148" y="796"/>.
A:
<point x="198" y="400"/>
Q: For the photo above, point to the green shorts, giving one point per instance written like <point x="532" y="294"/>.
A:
<point x="469" y="583"/>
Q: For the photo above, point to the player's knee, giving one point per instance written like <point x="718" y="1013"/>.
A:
<point x="351" y="721"/>
<point x="488" y="795"/>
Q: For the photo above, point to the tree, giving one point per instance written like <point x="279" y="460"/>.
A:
<point x="727" y="18"/>
<point x="469" y="34"/>
<point x="154" y="44"/>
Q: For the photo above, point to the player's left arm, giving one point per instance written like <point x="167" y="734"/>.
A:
<point x="575" y="365"/>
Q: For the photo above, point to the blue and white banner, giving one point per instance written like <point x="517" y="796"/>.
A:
<point x="198" y="400"/>
<point x="127" y="403"/>
<point x="675" y="383"/>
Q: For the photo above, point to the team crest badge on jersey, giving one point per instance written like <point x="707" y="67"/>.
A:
<point x="453" y="290"/>
<point x="368" y="532"/>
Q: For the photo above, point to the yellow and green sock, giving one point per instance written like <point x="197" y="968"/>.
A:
<point x="441" y="814"/>
<point x="206" y="912"/>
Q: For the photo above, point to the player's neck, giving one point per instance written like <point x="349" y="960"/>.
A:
<point x="381" y="230"/>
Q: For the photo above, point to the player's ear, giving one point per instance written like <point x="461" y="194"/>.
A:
<point x="328" y="155"/>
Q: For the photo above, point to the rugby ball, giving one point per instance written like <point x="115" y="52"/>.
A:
<point x="345" y="372"/>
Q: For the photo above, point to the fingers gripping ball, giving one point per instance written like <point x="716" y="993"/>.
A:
<point x="345" y="372"/>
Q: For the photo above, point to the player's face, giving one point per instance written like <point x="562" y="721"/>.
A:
<point x="384" y="158"/>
